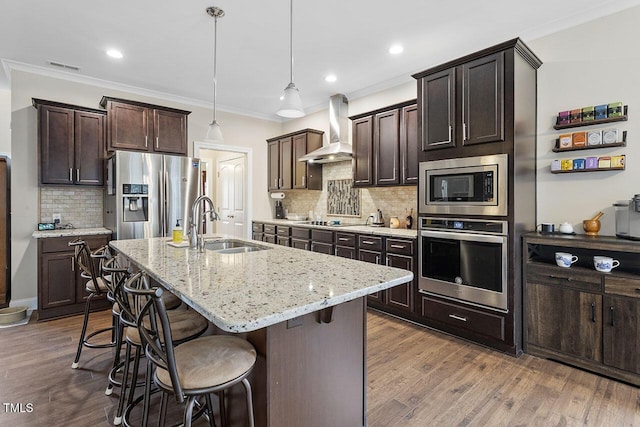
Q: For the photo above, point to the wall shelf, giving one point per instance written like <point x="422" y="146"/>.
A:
<point x="622" y="118"/>
<point x="589" y="170"/>
<point x="590" y="147"/>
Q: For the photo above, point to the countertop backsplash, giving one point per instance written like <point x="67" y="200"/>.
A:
<point x="79" y="206"/>
<point x="392" y="201"/>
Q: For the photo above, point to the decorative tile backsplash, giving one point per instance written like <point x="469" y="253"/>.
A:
<point x="342" y="198"/>
<point x="79" y="206"/>
<point x="392" y="201"/>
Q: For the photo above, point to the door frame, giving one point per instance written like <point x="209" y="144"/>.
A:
<point x="248" y="152"/>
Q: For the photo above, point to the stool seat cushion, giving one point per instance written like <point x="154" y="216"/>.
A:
<point x="91" y="287"/>
<point x="170" y="300"/>
<point x="115" y="309"/>
<point x="210" y="361"/>
<point x="185" y="324"/>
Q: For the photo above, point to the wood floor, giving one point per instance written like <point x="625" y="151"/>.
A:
<point x="416" y="377"/>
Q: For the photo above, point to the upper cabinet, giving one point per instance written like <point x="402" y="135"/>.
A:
<point x="145" y="127"/>
<point x="285" y="171"/>
<point x="385" y="146"/>
<point x="71" y="144"/>
<point x="466" y="107"/>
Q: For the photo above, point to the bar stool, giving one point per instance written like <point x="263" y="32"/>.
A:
<point x="202" y="366"/>
<point x="95" y="286"/>
<point x="185" y="325"/>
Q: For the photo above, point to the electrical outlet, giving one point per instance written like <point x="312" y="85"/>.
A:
<point x="57" y="218"/>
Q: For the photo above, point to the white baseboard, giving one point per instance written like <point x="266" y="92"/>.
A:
<point x="31" y="303"/>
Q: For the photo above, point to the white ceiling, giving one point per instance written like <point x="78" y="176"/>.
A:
<point x="168" y="44"/>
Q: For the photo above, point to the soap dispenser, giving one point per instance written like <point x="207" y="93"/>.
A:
<point x="177" y="232"/>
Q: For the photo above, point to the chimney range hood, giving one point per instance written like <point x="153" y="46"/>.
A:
<point x="338" y="150"/>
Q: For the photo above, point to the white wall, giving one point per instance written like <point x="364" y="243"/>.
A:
<point x="5" y="122"/>
<point x="240" y="131"/>
<point x="594" y="63"/>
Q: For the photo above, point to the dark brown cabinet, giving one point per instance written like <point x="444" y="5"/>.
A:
<point x="284" y="170"/>
<point x="322" y="241"/>
<point x="400" y="254"/>
<point x="145" y="127"/>
<point x="5" y="233"/>
<point x="578" y="315"/>
<point x="385" y="146"/>
<point x="269" y="235"/>
<point x="61" y="290"/>
<point x="71" y="144"/>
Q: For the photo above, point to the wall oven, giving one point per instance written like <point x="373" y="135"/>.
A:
<point x="465" y="260"/>
<point x="464" y="186"/>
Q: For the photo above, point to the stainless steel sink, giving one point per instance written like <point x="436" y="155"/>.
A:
<point x="229" y="246"/>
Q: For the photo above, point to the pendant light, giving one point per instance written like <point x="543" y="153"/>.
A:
<point x="214" y="133"/>
<point x="291" y="105"/>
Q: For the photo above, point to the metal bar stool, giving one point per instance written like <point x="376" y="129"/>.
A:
<point x="95" y="286"/>
<point x="199" y="367"/>
<point x="185" y="325"/>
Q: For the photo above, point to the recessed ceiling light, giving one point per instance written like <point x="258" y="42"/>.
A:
<point x="114" y="53"/>
<point x="331" y="78"/>
<point x="396" y="49"/>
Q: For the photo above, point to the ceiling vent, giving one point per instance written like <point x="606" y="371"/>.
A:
<point x="65" y="66"/>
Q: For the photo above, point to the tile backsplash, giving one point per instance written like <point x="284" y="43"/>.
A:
<point x="79" y="206"/>
<point x="392" y="201"/>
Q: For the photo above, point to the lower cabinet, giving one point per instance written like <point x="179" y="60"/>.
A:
<point x="61" y="290"/>
<point x="580" y="316"/>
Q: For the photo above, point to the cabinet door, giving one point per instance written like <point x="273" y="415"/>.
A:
<point x="299" y="149"/>
<point x="323" y="248"/>
<point x="362" y="135"/>
<point x="621" y="333"/>
<point x="128" y="126"/>
<point x="386" y="146"/>
<point x="286" y="163"/>
<point x="56" y="145"/>
<point x="58" y="280"/>
<point x="438" y="101"/>
<point x="483" y="100"/>
<point x="401" y="296"/>
<point x="345" y="252"/>
<point x="273" y="172"/>
<point x="373" y="257"/>
<point x="169" y="132"/>
<point x="300" y="244"/>
<point x="565" y="320"/>
<point x="89" y="148"/>
<point x="409" y="145"/>
<point x="269" y="238"/>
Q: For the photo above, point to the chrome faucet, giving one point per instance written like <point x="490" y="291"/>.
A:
<point x="194" y="239"/>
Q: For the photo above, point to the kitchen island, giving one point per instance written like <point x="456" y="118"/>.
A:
<point x="304" y="312"/>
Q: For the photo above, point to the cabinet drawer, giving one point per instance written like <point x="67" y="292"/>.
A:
<point x="301" y="233"/>
<point x="257" y="227"/>
<point x="283" y="241"/>
<point x="61" y="244"/>
<point x="270" y="229"/>
<point x="398" y="246"/>
<point x="479" y="322"/>
<point x="283" y="230"/>
<point x="346" y="239"/>
<point x="625" y="286"/>
<point x="370" y="242"/>
<point x="322" y="236"/>
<point x="323" y="248"/>
<point x="548" y="274"/>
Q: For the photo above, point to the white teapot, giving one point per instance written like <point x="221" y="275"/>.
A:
<point x="566" y="228"/>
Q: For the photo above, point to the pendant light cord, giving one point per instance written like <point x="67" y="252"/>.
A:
<point x="215" y="51"/>
<point x="291" y="38"/>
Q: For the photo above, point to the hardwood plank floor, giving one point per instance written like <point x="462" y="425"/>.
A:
<point x="416" y="377"/>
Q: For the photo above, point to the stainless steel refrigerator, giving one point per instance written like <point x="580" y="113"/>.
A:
<point x="148" y="193"/>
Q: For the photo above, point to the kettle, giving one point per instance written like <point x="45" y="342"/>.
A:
<point x="377" y="218"/>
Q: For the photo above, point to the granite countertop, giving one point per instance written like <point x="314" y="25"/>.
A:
<point x="249" y="291"/>
<point x="70" y="232"/>
<point x="362" y="229"/>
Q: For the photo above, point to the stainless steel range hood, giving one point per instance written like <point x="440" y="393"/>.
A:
<point x="338" y="149"/>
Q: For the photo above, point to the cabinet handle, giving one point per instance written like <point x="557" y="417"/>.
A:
<point x="464" y="131"/>
<point x="304" y="179"/>
<point x="78" y="175"/>
<point x="368" y="242"/>
<point x="312" y="247"/>
<point x="387" y="261"/>
<point x="568" y="279"/>
<point x="335" y="252"/>
<point x="343" y="239"/>
<point x="460" y="318"/>
<point x="377" y="259"/>
<point x="275" y="183"/>
<point x="612" y="312"/>
<point x="450" y="131"/>
<point x="73" y="264"/>
<point x="157" y="142"/>
<point x="306" y="246"/>
<point x="71" y="174"/>
<point x="146" y="141"/>
<point x="593" y="312"/>
<point x="399" y="246"/>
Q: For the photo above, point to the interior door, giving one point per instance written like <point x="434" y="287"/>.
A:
<point x="231" y="198"/>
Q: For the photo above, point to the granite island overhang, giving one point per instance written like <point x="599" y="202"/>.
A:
<point x="304" y="312"/>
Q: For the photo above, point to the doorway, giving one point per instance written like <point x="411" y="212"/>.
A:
<point x="228" y="183"/>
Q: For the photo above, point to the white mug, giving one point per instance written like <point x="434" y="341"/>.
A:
<point x="604" y="263"/>
<point x="564" y="259"/>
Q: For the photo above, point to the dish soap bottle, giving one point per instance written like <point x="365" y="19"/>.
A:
<point x="177" y="233"/>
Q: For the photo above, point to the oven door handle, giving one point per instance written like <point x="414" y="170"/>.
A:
<point x="453" y="235"/>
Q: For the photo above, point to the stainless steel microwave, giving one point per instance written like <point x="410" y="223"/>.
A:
<point x="464" y="186"/>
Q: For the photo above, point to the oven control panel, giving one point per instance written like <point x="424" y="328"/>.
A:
<point x="470" y="225"/>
